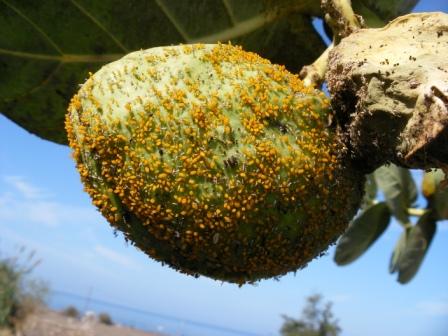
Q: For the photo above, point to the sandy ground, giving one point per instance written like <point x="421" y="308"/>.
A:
<point x="50" y="323"/>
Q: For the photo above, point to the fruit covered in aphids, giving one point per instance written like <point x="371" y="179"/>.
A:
<point x="213" y="160"/>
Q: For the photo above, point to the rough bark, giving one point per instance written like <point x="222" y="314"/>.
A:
<point x="389" y="90"/>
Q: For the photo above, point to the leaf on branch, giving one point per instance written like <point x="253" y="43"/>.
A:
<point x="371" y="191"/>
<point x="363" y="231"/>
<point x="412" y="247"/>
<point x="436" y="193"/>
<point x="398" y="251"/>
<point x="399" y="190"/>
<point x="378" y="12"/>
<point x="47" y="48"/>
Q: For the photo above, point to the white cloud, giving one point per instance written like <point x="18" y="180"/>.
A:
<point x="115" y="257"/>
<point x="42" y="212"/>
<point x="27" y="203"/>
<point x="27" y="190"/>
<point x="433" y="308"/>
<point x="72" y="242"/>
<point x="48" y="253"/>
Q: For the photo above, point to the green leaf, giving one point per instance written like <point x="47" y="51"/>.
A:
<point x="48" y="47"/>
<point x="378" y="12"/>
<point x="417" y="243"/>
<point x="436" y="193"/>
<point x="399" y="190"/>
<point x="398" y="251"/>
<point x="362" y="233"/>
<point x="370" y="193"/>
<point x="441" y="204"/>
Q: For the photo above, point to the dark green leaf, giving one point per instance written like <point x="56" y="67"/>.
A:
<point x="436" y="192"/>
<point x="371" y="190"/>
<point x="398" y="251"/>
<point x="362" y="233"/>
<point x="48" y="47"/>
<point x="417" y="244"/>
<point x="378" y="12"/>
<point x="399" y="190"/>
<point x="441" y="204"/>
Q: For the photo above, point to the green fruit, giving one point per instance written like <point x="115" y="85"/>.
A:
<point x="213" y="161"/>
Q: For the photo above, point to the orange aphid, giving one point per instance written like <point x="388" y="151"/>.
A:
<point x="212" y="160"/>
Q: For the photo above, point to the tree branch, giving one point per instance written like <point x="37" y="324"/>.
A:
<point x="343" y="21"/>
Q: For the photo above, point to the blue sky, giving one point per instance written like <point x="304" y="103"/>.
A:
<point x="43" y="207"/>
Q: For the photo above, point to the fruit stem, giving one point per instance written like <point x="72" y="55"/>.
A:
<point x="314" y="74"/>
<point x="341" y="18"/>
<point x="343" y="21"/>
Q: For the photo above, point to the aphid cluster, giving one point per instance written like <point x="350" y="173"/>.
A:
<point x="212" y="160"/>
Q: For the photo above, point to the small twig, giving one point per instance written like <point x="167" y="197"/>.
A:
<point x="417" y="212"/>
<point x="341" y="18"/>
<point x="314" y="74"/>
<point x="343" y="21"/>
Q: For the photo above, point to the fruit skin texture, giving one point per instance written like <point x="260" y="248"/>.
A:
<point x="213" y="160"/>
